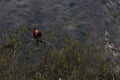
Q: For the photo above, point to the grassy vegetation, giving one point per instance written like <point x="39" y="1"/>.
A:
<point x="67" y="17"/>
<point x="116" y="15"/>
<point x="74" y="61"/>
<point x="119" y="28"/>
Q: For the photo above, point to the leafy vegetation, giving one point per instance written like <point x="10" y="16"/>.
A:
<point x="116" y="15"/>
<point x="74" y="61"/>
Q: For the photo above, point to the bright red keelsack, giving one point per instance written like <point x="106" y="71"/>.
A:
<point x="36" y="32"/>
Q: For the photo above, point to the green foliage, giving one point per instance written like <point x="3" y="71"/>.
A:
<point x="74" y="61"/>
<point x="56" y="9"/>
<point x="67" y="17"/>
<point x="116" y="15"/>
<point x="119" y="29"/>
